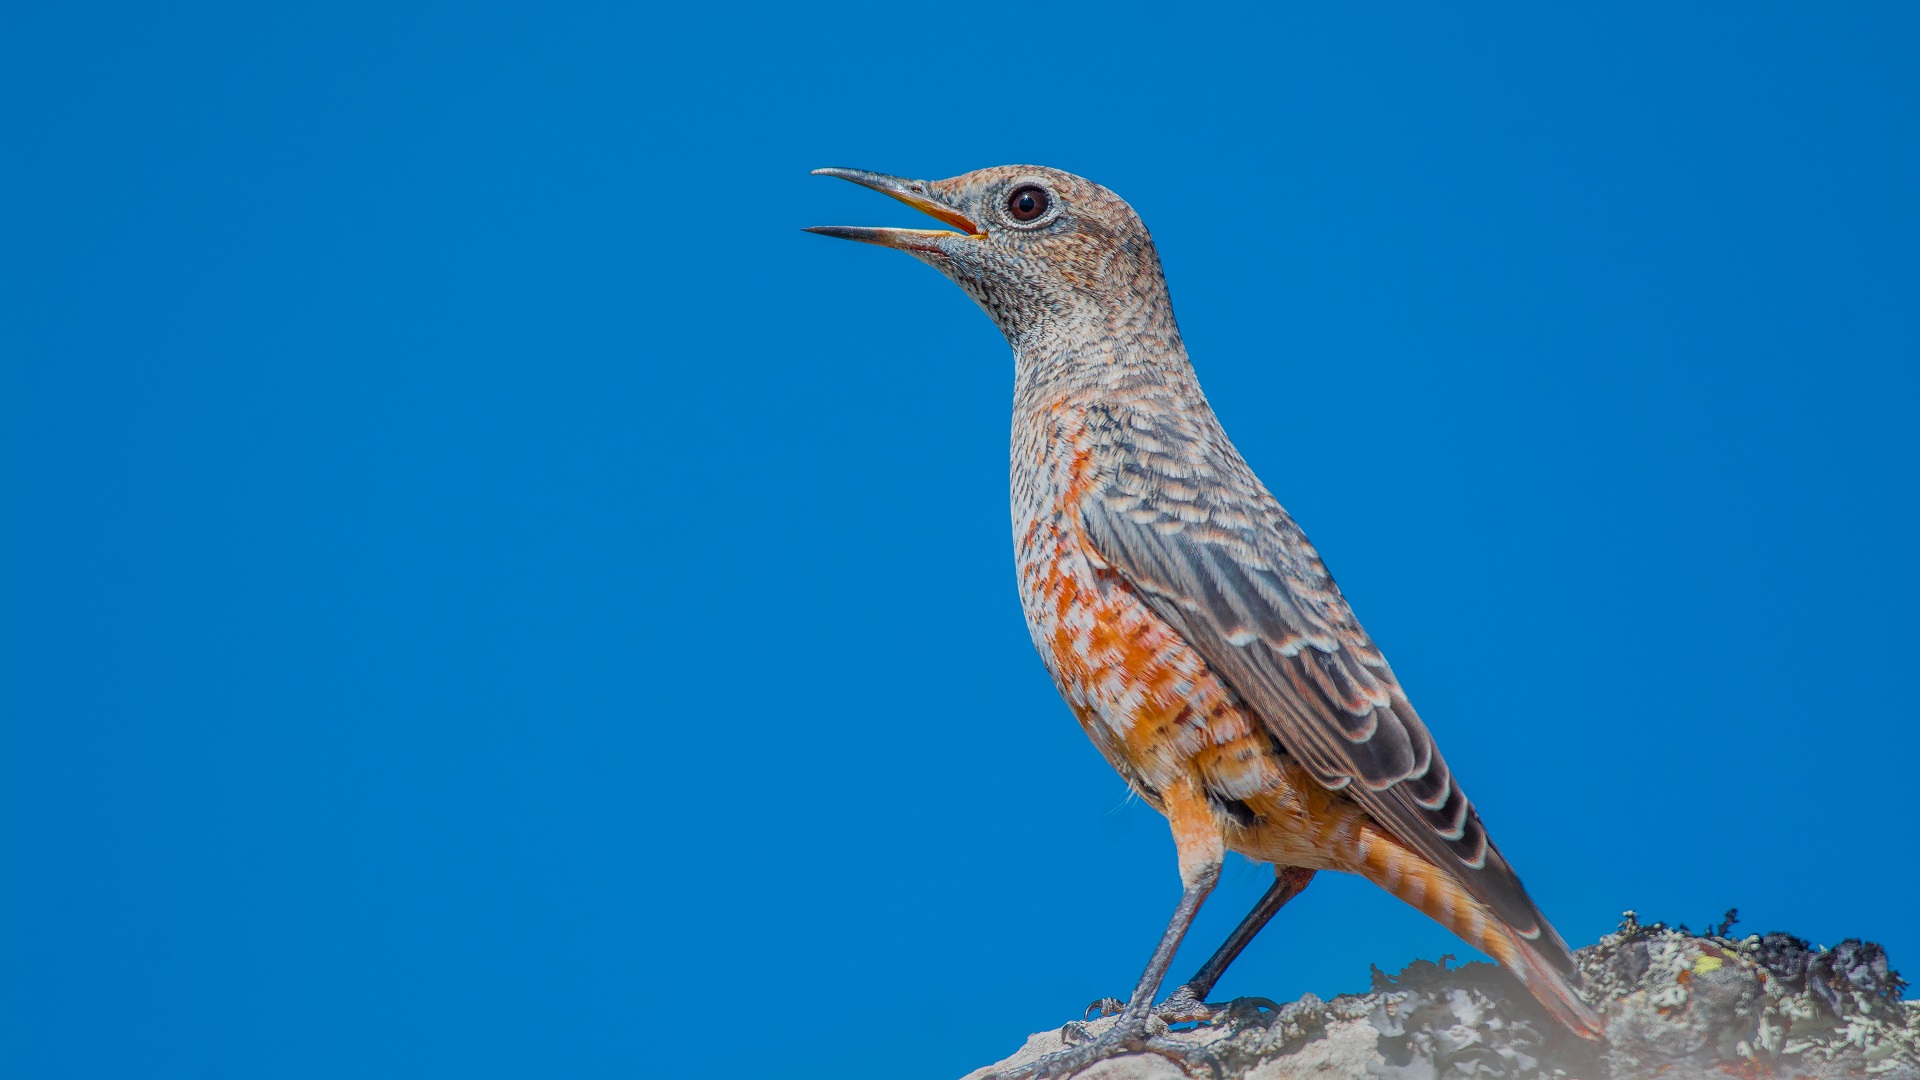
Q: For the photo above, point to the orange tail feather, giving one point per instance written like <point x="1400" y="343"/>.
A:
<point x="1397" y="869"/>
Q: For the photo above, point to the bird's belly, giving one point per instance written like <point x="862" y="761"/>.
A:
<point x="1144" y="696"/>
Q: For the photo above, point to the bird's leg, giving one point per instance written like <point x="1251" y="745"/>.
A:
<point x="1188" y="1002"/>
<point x="1129" y="1033"/>
<point x="1197" y="836"/>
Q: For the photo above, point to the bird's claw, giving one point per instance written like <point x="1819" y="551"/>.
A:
<point x="1130" y="1034"/>
<point x="1142" y="1033"/>
<point x="1184" y="1007"/>
<point x="1181" y="1007"/>
<point x="1252" y="1008"/>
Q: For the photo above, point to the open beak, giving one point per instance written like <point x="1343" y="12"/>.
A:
<point x="914" y="193"/>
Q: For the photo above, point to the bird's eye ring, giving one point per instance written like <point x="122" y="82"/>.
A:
<point x="1028" y="202"/>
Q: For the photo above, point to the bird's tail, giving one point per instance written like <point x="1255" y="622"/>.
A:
<point x="1544" y="965"/>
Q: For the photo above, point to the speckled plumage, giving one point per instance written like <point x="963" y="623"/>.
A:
<point x="1189" y="624"/>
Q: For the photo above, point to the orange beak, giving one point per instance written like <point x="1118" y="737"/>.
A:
<point x="914" y="193"/>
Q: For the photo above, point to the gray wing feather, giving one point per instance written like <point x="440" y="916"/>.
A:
<point x="1194" y="532"/>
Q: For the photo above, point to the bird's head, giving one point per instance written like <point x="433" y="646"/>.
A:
<point x="1037" y="248"/>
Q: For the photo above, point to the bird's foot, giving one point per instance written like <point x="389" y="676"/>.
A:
<point x="1181" y="1007"/>
<point x="1142" y="1033"/>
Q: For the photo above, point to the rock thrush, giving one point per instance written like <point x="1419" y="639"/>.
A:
<point x="1189" y="624"/>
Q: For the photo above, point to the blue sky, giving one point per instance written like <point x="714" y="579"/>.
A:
<point x="486" y="595"/>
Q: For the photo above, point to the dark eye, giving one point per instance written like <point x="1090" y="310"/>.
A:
<point x="1027" y="203"/>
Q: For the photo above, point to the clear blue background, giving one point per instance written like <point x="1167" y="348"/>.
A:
<point x="485" y="595"/>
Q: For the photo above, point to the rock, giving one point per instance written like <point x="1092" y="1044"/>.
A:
<point x="1678" y="1006"/>
<point x="1130" y="1067"/>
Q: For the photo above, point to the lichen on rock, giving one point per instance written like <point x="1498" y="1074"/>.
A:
<point x="1763" y="1005"/>
<point x="1678" y="1005"/>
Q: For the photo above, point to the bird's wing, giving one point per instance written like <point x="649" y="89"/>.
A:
<point x="1180" y="517"/>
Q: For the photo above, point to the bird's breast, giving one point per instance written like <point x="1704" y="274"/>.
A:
<point x="1143" y="694"/>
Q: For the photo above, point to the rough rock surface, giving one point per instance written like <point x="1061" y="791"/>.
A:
<point x="1678" y="1005"/>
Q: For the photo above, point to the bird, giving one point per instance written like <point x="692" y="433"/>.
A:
<point x="1193" y="630"/>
